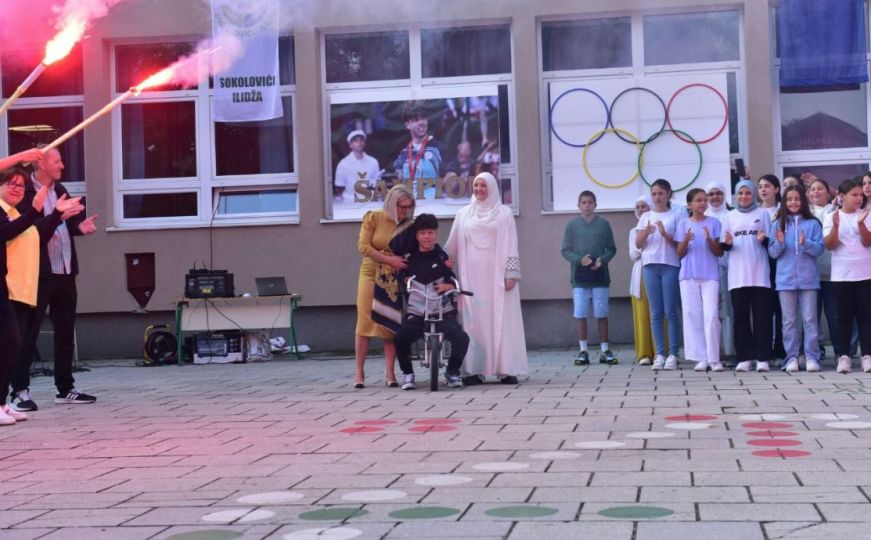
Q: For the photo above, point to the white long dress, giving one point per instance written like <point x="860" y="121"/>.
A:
<point x="483" y="242"/>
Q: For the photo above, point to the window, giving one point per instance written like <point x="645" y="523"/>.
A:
<point x="455" y="52"/>
<point x="689" y="38"/>
<point x="594" y="44"/>
<point x="367" y="57"/>
<point x="48" y="109"/>
<point x="825" y="119"/>
<point x="176" y="162"/>
<point x="256" y="202"/>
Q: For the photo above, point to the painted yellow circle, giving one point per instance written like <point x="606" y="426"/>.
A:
<point x="599" y="134"/>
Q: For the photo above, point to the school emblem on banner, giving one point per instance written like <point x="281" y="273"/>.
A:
<point x="250" y="89"/>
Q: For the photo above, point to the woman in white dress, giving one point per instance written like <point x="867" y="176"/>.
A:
<point x="483" y="242"/>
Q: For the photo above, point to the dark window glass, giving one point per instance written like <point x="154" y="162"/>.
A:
<point x="832" y="174"/>
<point x="134" y="63"/>
<point x="158" y="140"/>
<point x="587" y="44"/>
<point x="264" y="147"/>
<point x="155" y="205"/>
<point x="455" y="52"/>
<point x="732" y="99"/>
<point x="691" y="37"/>
<point x="817" y="120"/>
<point x="62" y="78"/>
<point x="257" y="202"/>
<point x="286" y="60"/>
<point x="377" y="56"/>
<point x="504" y="130"/>
<point x="29" y="127"/>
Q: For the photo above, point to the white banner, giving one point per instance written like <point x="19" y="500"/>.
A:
<point x="250" y="89"/>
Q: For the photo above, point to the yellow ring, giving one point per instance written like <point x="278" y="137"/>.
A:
<point x="637" y="146"/>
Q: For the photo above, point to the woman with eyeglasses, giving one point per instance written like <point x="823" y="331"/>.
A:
<point x="378" y="273"/>
<point x="19" y="265"/>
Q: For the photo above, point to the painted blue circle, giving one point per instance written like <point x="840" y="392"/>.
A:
<point x="556" y="102"/>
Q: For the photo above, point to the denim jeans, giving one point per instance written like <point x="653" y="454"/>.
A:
<point x="663" y="293"/>
<point x="803" y="304"/>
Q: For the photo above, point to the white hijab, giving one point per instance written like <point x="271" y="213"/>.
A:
<point x="635" y="253"/>
<point x="488" y="209"/>
<point x="717" y="211"/>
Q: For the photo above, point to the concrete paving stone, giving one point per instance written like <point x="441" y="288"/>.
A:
<point x="546" y="479"/>
<point x="852" y="478"/>
<point x="129" y="473"/>
<point x="815" y="531"/>
<point x="138" y="485"/>
<point x="367" y="530"/>
<point x="606" y="463"/>
<point x="60" y="501"/>
<point x="97" y="533"/>
<point x="26" y="534"/>
<point x="845" y="511"/>
<point x="744" y="479"/>
<point x="792" y="511"/>
<point x="460" y="529"/>
<point x="373" y="481"/>
<point x="90" y="517"/>
<point x="674" y="478"/>
<point x="583" y="494"/>
<point x="248" y="532"/>
<point x="695" y="465"/>
<point x="808" y="494"/>
<point x="681" y="511"/>
<point x="664" y="495"/>
<point x="807" y="464"/>
<point x="62" y="486"/>
<point x="565" y="512"/>
<point x="457" y="495"/>
<point x="649" y="530"/>
<point x="11" y="518"/>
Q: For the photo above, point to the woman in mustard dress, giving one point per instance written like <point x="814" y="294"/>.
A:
<point x="379" y="262"/>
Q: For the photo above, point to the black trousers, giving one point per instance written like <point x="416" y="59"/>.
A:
<point x="752" y="340"/>
<point x="412" y="330"/>
<point x="10" y="343"/>
<point x="852" y="303"/>
<point x="777" y="348"/>
<point x="57" y="293"/>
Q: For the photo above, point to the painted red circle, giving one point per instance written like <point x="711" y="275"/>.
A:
<point x="690" y="418"/>
<point x="770" y="433"/>
<point x="431" y="428"/>
<point x="725" y="113"/>
<point x="767" y="425"/>
<point x="361" y="429"/>
<point x="781" y="453"/>
<point x="774" y="442"/>
<point x="375" y="422"/>
<point x="433" y="421"/>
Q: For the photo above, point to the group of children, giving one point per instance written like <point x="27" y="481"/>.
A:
<point x="752" y="280"/>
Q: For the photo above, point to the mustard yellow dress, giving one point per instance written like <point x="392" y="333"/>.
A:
<point x="375" y="232"/>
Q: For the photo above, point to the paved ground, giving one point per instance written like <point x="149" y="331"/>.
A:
<point x="288" y="450"/>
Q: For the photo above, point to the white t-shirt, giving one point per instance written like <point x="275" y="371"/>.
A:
<point x="748" y="258"/>
<point x="351" y="170"/>
<point x="851" y="261"/>
<point x="657" y="250"/>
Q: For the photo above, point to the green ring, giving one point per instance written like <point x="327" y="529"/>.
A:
<point x="685" y="134"/>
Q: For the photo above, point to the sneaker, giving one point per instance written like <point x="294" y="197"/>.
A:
<point x="74" y="397"/>
<point x="791" y="365"/>
<point x="607" y="357"/>
<point x="701" y="366"/>
<point x="17" y="415"/>
<point x="762" y="366"/>
<point x="454" y="381"/>
<point x="658" y="362"/>
<point x="5" y="419"/>
<point x="408" y="381"/>
<point x="866" y="363"/>
<point x="21" y="401"/>
<point x="644" y="361"/>
<point x="670" y="362"/>
<point x="717" y="366"/>
<point x="844" y="364"/>
<point x="508" y="379"/>
<point x="744" y="366"/>
<point x="812" y="365"/>
<point x="582" y="359"/>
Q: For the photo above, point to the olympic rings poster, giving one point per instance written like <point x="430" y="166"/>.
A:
<point x="616" y="136"/>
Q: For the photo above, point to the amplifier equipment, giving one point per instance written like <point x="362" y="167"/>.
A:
<point x="219" y="347"/>
<point x="208" y="284"/>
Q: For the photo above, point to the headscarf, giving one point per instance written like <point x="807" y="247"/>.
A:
<point x="749" y="184"/>
<point x="489" y="208"/>
<point x="712" y="210"/>
<point x="646" y="200"/>
<point x="396" y="194"/>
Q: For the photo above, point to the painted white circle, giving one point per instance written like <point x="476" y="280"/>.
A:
<point x="500" y="466"/>
<point x="374" y="495"/>
<point x="338" y="533"/>
<point x="849" y="425"/>
<point x="758" y="417"/>
<point x="834" y="416"/>
<point x="650" y="435"/>
<point x="442" y="480"/>
<point x="599" y="445"/>
<point x="243" y="515"/>
<point x="274" y="497"/>
<point x="555" y="455"/>
<point x="688" y="425"/>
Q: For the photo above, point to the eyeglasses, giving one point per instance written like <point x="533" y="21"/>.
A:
<point x="13" y="185"/>
<point x="716" y="194"/>
<point x="405" y="206"/>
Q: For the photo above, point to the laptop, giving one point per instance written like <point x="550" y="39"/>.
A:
<point x="271" y="286"/>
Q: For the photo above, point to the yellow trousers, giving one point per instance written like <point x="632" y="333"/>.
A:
<point x="641" y="321"/>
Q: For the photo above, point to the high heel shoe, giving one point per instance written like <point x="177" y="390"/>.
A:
<point x="359" y="381"/>
<point x="392" y="384"/>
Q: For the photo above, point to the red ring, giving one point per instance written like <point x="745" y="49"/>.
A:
<point x="725" y="108"/>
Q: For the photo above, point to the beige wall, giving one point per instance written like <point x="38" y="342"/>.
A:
<point x="321" y="260"/>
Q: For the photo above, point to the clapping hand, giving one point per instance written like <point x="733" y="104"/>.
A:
<point x="39" y="199"/>
<point x="661" y="227"/>
<point x="728" y="238"/>
<point x="707" y="232"/>
<point x="778" y="235"/>
<point x="690" y="236"/>
<point x="801" y="238"/>
<point x="87" y="226"/>
<point x="68" y="207"/>
<point x="761" y="236"/>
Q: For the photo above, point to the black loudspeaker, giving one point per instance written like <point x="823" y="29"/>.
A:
<point x="140" y="276"/>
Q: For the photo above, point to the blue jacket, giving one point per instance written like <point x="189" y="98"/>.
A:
<point x="797" y="263"/>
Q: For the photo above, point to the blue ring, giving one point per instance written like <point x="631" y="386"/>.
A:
<point x="550" y="116"/>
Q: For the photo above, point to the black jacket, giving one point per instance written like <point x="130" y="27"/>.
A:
<point x="46" y="226"/>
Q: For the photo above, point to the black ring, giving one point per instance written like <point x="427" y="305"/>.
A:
<point x="654" y="94"/>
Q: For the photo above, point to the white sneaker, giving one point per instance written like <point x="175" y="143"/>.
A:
<point x="844" y="364"/>
<point x="658" y="362"/>
<point x="701" y="366"/>
<point x="408" y="381"/>
<point x="744" y="366"/>
<point x="717" y="366"/>
<point x="812" y="365"/>
<point x="761" y="366"/>
<point x="866" y="363"/>
<point x="644" y="361"/>
<point x="671" y="362"/>
<point x="5" y="419"/>
<point x="17" y="415"/>
<point x="791" y="365"/>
